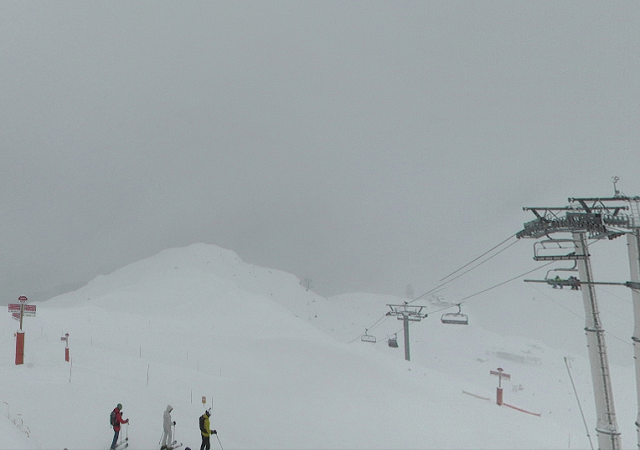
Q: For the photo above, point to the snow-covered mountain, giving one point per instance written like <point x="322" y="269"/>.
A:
<point x="281" y="366"/>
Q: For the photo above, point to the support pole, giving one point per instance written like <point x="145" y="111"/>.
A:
<point x="633" y="242"/>
<point x="407" y="353"/>
<point x="607" y="427"/>
<point x="65" y="338"/>
<point x="19" y="347"/>
<point x="499" y="392"/>
<point x="406" y="313"/>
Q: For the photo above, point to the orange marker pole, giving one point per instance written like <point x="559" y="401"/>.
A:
<point x="20" y="347"/>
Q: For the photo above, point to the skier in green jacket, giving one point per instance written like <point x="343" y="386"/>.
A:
<point x="205" y="430"/>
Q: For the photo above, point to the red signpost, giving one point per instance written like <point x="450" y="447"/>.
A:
<point x="66" y="347"/>
<point x="18" y="312"/>
<point x="501" y="376"/>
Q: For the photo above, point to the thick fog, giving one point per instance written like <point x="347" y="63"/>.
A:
<point x="362" y="145"/>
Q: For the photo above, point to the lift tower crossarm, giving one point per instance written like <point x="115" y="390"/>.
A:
<point x="612" y="213"/>
<point x="597" y="204"/>
<point x="591" y="215"/>
<point x="629" y="284"/>
<point x="550" y="220"/>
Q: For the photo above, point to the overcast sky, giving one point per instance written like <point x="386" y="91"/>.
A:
<point x="362" y="145"/>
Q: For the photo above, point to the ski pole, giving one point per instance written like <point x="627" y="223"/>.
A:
<point x="219" y="441"/>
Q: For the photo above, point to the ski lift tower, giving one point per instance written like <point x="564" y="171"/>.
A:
<point x="407" y="313"/>
<point x="622" y="213"/>
<point x="587" y="218"/>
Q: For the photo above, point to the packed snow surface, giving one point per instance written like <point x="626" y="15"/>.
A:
<point x="281" y="368"/>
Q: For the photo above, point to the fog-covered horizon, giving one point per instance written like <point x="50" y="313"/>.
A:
<point x="363" y="146"/>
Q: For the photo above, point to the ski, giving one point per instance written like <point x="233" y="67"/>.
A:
<point x="173" y="446"/>
<point x="121" y="445"/>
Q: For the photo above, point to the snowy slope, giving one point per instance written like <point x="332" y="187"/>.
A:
<point x="281" y="366"/>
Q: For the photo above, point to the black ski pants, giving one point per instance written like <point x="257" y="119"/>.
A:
<point x="206" y="444"/>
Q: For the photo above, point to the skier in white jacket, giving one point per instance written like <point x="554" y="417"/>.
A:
<point x="167" y="437"/>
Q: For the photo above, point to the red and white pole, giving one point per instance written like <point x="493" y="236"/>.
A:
<point x="20" y="334"/>
<point x="499" y="397"/>
<point x="65" y="338"/>
<point x="20" y="347"/>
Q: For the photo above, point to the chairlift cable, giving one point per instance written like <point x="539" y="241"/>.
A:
<point x="463" y="299"/>
<point x="505" y="282"/>
<point x="492" y="256"/>
<point x="377" y="322"/>
<point x="479" y="264"/>
<point x="608" y="333"/>
<point x="557" y="303"/>
<point x="604" y="308"/>
<point x="452" y="279"/>
<point x="474" y="260"/>
<point x="464" y="273"/>
<point x="393" y="334"/>
<point x="369" y="329"/>
<point x="579" y="404"/>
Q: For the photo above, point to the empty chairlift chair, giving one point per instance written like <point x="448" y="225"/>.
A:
<point x="555" y="250"/>
<point x="455" y="318"/>
<point x="366" y="337"/>
<point x="393" y="341"/>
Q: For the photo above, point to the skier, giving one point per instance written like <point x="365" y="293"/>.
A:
<point x="575" y="283"/>
<point x="205" y="430"/>
<point x="167" y="438"/>
<point x="117" y="421"/>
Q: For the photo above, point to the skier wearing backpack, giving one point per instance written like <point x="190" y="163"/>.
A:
<point x="116" y="421"/>
<point x="205" y="430"/>
<point x="167" y="438"/>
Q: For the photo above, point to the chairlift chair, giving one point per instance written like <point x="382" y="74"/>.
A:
<point x="553" y="278"/>
<point x="555" y="250"/>
<point x="559" y="283"/>
<point x="393" y="341"/>
<point x="550" y="272"/>
<point x="367" y="337"/>
<point x="455" y="318"/>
